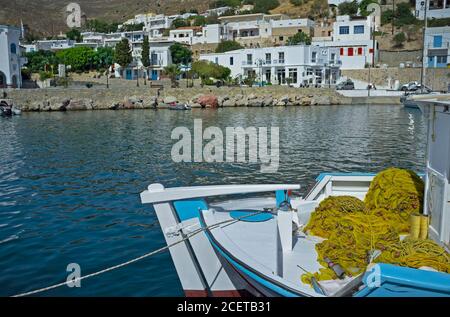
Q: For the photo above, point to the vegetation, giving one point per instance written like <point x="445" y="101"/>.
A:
<point x="74" y="35"/>
<point x="180" y="54"/>
<point x="43" y="75"/>
<point x="402" y="16"/>
<point x="122" y="54"/>
<point x="95" y="25"/>
<point x="172" y="71"/>
<point x="179" y="22"/>
<point x="132" y="27"/>
<point x="145" y="58"/>
<point x="363" y="7"/>
<point x="399" y="39"/>
<point x="348" y="8"/>
<point x="319" y="9"/>
<point x="207" y="70"/>
<point x="299" y="38"/>
<point x="296" y="3"/>
<point x="262" y="6"/>
<point x="79" y="58"/>
<point x="439" y="22"/>
<point x="225" y="3"/>
<point x="227" y="46"/>
<point x="199" y="20"/>
<point x="41" y="61"/>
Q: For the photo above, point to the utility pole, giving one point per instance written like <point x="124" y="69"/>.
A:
<point x="393" y="16"/>
<point x="422" y="73"/>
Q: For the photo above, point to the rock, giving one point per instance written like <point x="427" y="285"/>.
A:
<point x="195" y="105"/>
<point x="114" y="106"/>
<point x="80" y="104"/>
<point x="321" y="100"/>
<point x="284" y="99"/>
<point x="255" y="103"/>
<point x="229" y="103"/>
<point x="251" y="97"/>
<point x="267" y="101"/>
<point x="169" y="99"/>
<point x="210" y="100"/>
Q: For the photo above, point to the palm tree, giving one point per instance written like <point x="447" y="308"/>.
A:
<point x="172" y="71"/>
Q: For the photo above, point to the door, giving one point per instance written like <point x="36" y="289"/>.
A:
<point x="154" y="74"/>
<point x="128" y="74"/>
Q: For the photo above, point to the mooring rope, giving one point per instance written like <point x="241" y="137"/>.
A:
<point x="195" y="232"/>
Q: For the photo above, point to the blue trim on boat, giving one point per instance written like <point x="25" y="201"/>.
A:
<point x="322" y="175"/>
<point x="189" y="208"/>
<point x="280" y="196"/>
<point x="405" y="282"/>
<point x="245" y="270"/>
<point x="236" y="214"/>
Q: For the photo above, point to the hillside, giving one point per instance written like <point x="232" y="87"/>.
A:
<point x="47" y="16"/>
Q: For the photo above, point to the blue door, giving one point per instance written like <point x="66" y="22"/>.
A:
<point x="437" y="41"/>
<point x="154" y="74"/>
<point x="129" y="74"/>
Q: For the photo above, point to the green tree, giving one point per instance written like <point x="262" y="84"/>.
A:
<point x="173" y="72"/>
<point x="178" y="23"/>
<point x="199" y="20"/>
<point x="399" y="39"/>
<point x="79" y="58"/>
<point x="74" y="35"/>
<point x="348" y="8"/>
<point x="104" y="57"/>
<point x="206" y="70"/>
<point x="227" y="46"/>
<point x="180" y="54"/>
<point x="122" y="54"/>
<point x="95" y="25"/>
<point x="41" y="61"/>
<point x="363" y="7"/>
<point x="132" y="27"/>
<point x="299" y="38"/>
<point x="145" y="55"/>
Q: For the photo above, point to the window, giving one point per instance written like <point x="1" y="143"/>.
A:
<point x="360" y="51"/>
<point x="350" y="51"/>
<point x="333" y="57"/>
<point x="13" y="48"/>
<point x="281" y="38"/>
<point x="358" y="29"/>
<point x="293" y="75"/>
<point x="231" y="61"/>
<point x="249" y="59"/>
<point x="281" y="57"/>
<point x="344" y="30"/>
<point x="313" y="57"/>
<point x="341" y="51"/>
<point x="216" y="60"/>
<point x="437" y="41"/>
<point x="441" y="59"/>
<point x="268" y="58"/>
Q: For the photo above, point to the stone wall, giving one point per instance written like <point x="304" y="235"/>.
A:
<point x="436" y="78"/>
<point x="395" y="57"/>
<point x="58" y="99"/>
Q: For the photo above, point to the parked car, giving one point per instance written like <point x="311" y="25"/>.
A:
<point x="413" y="86"/>
<point x="345" y="85"/>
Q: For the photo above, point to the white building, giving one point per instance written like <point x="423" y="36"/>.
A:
<point x="217" y="11"/>
<point x="303" y="64"/>
<point x="352" y="37"/>
<point x="190" y="35"/>
<point x="11" y="60"/>
<point x="437" y="9"/>
<point x="437" y="47"/>
<point x="54" y="45"/>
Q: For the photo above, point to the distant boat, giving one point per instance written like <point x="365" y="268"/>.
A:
<point x="179" y="106"/>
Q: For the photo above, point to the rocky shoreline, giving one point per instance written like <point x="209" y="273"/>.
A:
<point x="147" y="98"/>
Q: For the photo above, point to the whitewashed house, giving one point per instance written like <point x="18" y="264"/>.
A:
<point x="217" y="11"/>
<point x="302" y="64"/>
<point x="437" y="47"/>
<point x="11" y="60"/>
<point x="352" y="37"/>
<point x="54" y="45"/>
<point x="190" y="35"/>
<point x="437" y="9"/>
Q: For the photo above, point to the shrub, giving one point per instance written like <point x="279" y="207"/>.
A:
<point x="296" y="3"/>
<point x="299" y="38"/>
<point x="227" y="46"/>
<point x="45" y="75"/>
<point x="348" y="8"/>
<point x="399" y="39"/>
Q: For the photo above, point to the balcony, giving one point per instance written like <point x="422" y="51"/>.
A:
<point x="278" y="61"/>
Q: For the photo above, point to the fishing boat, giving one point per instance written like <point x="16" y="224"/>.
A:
<point x="179" y="106"/>
<point x="251" y="243"/>
<point x="7" y="109"/>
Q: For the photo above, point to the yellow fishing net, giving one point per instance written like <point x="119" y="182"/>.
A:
<point x="354" y="228"/>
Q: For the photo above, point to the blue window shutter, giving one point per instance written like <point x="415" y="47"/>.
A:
<point x="437" y="41"/>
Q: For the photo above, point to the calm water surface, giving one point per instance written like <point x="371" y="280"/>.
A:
<point x="70" y="183"/>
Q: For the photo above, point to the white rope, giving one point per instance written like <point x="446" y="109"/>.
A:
<point x="40" y="290"/>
